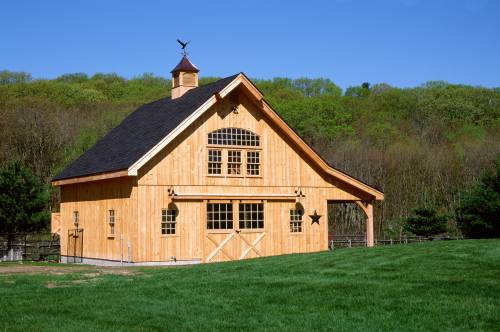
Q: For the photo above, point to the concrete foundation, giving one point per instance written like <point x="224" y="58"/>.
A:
<point x="107" y="262"/>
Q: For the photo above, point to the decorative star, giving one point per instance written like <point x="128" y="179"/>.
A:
<point x="315" y="217"/>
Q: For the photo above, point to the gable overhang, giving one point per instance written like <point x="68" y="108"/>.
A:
<point x="90" y="178"/>
<point x="242" y="80"/>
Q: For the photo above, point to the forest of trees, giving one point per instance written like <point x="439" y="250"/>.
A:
<point x="422" y="146"/>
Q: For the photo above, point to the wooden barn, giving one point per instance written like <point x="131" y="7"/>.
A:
<point x="211" y="173"/>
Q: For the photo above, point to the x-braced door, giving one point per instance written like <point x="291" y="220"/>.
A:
<point x="233" y="245"/>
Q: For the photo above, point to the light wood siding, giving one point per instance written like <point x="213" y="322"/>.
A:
<point x="182" y="165"/>
<point x="92" y="200"/>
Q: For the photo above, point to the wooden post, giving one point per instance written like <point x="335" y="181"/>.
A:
<point x="368" y="209"/>
<point x="369" y="225"/>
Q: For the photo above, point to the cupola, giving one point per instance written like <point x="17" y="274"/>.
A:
<point x="184" y="77"/>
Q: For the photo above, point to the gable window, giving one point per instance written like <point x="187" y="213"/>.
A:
<point x="251" y="215"/>
<point x="296" y="221"/>
<point x="233" y="136"/>
<point x="253" y="163"/>
<point x="242" y="161"/>
<point x="111" y="222"/>
<point x="233" y="162"/>
<point x="219" y="216"/>
<point x="76" y="219"/>
<point x="168" y="221"/>
<point x="214" y="162"/>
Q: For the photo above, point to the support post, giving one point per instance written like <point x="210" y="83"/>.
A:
<point x="368" y="209"/>
<point x="369" y="225"/>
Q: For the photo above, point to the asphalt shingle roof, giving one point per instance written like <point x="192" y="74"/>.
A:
<point x="140" y="131"/>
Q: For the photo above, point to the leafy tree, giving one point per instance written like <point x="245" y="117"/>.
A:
<point x="23" y="201"/>
<point x="425" y="221"/>
<point x="14" y="77"/>
<point x="478" y="215"/>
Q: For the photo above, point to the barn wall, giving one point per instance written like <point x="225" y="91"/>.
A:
<point x="93" y="200"/>
<point x="182" y="165"/>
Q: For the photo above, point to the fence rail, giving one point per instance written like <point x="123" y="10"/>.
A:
<point x="38" y="247"/>
<point x="349" y="241"/>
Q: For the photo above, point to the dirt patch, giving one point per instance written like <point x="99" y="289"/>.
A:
<point x="31" y="269"/>
<point x="90" y="271"/>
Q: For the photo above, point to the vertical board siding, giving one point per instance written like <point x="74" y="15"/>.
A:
<point x="182" y="165"/>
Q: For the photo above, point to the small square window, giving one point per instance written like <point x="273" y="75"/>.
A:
<point x="219" y="216"/>
<point x="111" y="221"/>
<point x="234" y="162"/>
<point x="214" y="162"/>
<point x="253" y="163"/>
<point x="168" y="221"/>
<point x="296" y="221"/>
<point x="76" y="219"/>
<point x="251" y="215"/>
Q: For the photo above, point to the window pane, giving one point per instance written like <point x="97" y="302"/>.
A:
<point x="251" y="215"/>
<point x="296" y="220"/>
<point x="253" y="162"/>
<point x="168" y="221"/>
<point x="214" y="162"/>
<point x="234" y="162"/>
<point x="219" y="216"/>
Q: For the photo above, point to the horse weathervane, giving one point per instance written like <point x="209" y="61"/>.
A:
<point x="183" y="46"/>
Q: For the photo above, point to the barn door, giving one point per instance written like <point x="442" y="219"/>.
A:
<point x="233" y="245"/>
<point x="75" y="246"/>
<point x="234" y="230"/>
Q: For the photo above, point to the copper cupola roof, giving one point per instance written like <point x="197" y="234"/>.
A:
<point x="186" y="66"/>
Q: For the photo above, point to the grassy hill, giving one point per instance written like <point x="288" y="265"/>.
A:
<point x="433" y="286"/>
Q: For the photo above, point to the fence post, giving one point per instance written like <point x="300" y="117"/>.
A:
<point x="25" y="248"/>
<point x="349" y="243"/>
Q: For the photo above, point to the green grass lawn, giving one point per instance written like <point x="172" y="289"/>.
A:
<point x="453" y="285"/>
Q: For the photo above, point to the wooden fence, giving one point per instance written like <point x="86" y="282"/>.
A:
<point x="38" y="247"/>
<point x="349" y="241"/>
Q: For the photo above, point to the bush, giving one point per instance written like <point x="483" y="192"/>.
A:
<point x="425" y="222"/>
<point x="478" y="214"/>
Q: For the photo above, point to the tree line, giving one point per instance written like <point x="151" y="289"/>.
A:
<point x="425" y="146"/>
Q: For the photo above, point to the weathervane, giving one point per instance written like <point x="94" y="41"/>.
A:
<point x="183" y="46"/>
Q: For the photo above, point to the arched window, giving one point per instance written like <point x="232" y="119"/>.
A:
<point x="233" y="136"/>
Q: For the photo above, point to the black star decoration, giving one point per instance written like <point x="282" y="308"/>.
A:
<point x="315" y="217"/>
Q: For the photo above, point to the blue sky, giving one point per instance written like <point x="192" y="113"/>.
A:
<point x="399" y="42"/>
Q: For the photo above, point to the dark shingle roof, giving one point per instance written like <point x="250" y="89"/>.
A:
<point x="140" y="132"/>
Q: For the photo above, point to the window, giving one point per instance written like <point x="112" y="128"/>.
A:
<point x="111" y="221"/>
<point x="168" y="221"/>
<point x="214" y="162"/>
<point x="251" y="215"/>
<point x="233" y="162"/>
<point x="76" y="219"/>
<point x="296" y="221"/>
<point x="233" y="136"/>
<point x="253" y="163"/>
<point x="219" y="216"/>
<point x="248" y="144"/>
